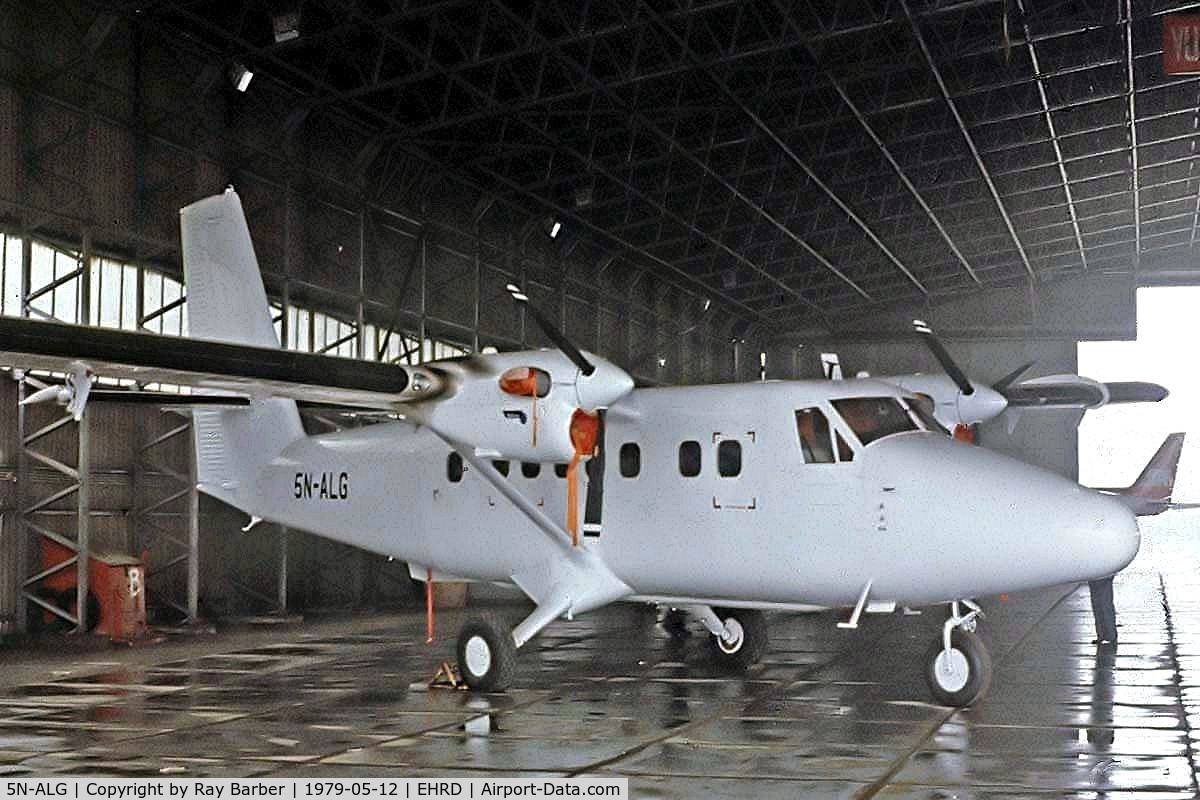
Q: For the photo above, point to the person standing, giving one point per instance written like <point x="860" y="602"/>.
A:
<point x="1104" y="610"/>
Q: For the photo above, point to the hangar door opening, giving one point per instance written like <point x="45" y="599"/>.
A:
<point x="1115" y="442"/>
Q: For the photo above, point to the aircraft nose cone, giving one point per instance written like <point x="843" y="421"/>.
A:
<point x="1106" y="531"/>
<point x="989" y="523"/>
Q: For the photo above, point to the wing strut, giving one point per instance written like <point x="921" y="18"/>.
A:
<point x="570" y="580"/>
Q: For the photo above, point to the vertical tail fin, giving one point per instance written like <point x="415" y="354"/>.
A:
<point x="1157" y="480"/>
<point x="226" y="302"/>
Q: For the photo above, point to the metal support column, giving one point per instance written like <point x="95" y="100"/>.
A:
<point x="83" y="551"/>
<point x="193" y="521"/>
<point x="282" y="575"/>
<point x="168" y="524"/>
<point x="40" y="516"/>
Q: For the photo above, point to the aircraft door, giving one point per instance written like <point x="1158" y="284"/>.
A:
<point x="735" y="488"/>
<point x="594" y="499"/>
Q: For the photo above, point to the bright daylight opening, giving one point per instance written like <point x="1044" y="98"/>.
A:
<point x="1115" y="442"/>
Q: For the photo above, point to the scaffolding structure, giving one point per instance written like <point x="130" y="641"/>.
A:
<point x="58" y="514"/>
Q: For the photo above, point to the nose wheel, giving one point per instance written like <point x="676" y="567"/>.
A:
<point x="958" y="667"/>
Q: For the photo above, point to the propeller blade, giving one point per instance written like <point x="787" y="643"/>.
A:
<point x="943" y="357"/>
<point x="552" y="332"/>
<point x="1011" y="377"/>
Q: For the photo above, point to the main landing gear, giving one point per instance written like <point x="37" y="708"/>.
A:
<point x="487" y="654"/>
<point x="739" y="635"/>
<point x="958" y="667"/>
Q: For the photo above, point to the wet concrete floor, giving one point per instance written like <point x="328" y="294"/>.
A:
<point x="829" y="713"/>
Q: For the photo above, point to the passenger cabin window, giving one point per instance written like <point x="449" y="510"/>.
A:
<point x="689" y="459"/>
<point x="531" y="469"/>
<point x="872" y="418"/>
<point x="560" y="470"/>
<point x="454" y="468"/>
<point x="630" y="459"/>
<point x="501" y="467"/>
<point x="729" y="458"/>
<point x="815" y="443"/>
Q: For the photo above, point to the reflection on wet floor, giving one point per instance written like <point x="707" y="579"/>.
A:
<point x="829" y="713"/>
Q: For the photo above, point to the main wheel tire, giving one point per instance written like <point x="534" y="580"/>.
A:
<point x="487" y="656"/>
<point x="750" y="643"/>
<point x="959" y="677"/>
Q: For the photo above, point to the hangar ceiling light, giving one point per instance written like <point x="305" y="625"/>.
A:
<point x="240" y="76"/>
<point x="286" y="26"/>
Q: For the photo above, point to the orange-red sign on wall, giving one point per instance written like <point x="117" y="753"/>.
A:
<point x="1181" y="44"/>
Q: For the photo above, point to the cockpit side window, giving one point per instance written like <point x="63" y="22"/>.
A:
<point x="845" y="453"/>
<point x="815" y="443"/>
<point x="873" y="418"/>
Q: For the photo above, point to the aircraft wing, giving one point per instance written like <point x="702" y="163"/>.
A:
<point x="233" y="368"/>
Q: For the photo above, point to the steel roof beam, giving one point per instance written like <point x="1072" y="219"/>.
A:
<point x="1133" y="142"/>
<point x="790" y="154"/>
<point x="583" y="159"/>
<point x="1062" y="168"/>
<point x="706" y="291"/>
<point x="937" y="75"/>
<point x="714" y="175"/>
<point x="883" y="149"/>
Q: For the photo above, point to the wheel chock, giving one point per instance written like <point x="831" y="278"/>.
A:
<point x="447" y="677"/>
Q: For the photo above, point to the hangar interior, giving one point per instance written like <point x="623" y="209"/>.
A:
<point x="704" y="192"/>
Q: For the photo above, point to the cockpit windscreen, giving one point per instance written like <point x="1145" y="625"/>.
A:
<point x="922" y="406"/>
<point x="873" y="418"/>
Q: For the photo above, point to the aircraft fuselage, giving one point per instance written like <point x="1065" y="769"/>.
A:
<point x="924" y="518"/>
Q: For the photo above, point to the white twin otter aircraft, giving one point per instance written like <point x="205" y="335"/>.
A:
<point x="725" y="500"/>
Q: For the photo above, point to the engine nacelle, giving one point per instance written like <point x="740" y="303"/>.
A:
<point x="521" y="405"/>
<point x="951" y="406"/>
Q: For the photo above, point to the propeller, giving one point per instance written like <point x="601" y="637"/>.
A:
<point x="1008" y="380"/>
<point x="73" y="393"/>
<point x="943" y="357"/>
<point x="552" y="332"/>
<point x="595" y="388"/>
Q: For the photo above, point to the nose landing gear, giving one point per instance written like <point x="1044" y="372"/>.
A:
<point x="958" y="666"/>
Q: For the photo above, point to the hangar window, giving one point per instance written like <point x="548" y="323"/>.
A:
<point x="815" y="444"/>
<point x="631" y="460"/>
<point x="501" y="467"/>
<point x="689" y="459"/>
<point x="729" y="458"/>
<point x="873" y="418"/>
<point x="531" y="469"/>
<point x="560" y="470"/>
<point x="454" y="468"/>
